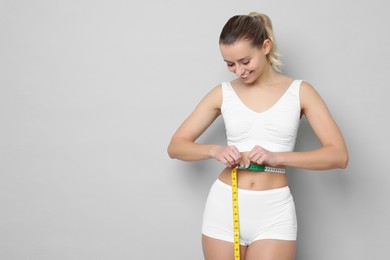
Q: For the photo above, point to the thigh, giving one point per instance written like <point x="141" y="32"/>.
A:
<point x="215" y="249"/>
<point x="271" y="249"/>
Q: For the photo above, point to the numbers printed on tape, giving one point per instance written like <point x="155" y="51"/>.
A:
<point x="236" y="226"/>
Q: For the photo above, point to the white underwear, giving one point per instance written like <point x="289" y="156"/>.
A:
<point x="265" y="214"/>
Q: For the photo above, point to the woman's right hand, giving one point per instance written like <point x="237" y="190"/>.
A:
<point x="228" y="155"/>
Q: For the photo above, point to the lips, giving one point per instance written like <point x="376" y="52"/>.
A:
<point x="246" y="75"/>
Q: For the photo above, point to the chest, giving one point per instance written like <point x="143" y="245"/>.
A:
<point x="259" y="100"/>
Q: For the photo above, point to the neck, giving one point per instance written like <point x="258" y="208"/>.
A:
<point x="267" y="76"/>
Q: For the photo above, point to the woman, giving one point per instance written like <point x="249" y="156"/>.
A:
<point x="261" y="109"/>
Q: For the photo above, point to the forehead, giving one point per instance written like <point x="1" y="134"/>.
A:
<point x="237" y="51"/>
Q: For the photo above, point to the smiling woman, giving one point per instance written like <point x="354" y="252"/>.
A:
<point x="241" y="28"/>
<point x="245" y="61"/>
<point x="261" y="109"/>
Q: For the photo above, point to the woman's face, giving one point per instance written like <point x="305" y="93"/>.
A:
<point x="244" y="60"/>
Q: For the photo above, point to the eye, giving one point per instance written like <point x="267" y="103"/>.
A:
<point x="246" y="62"/>
<point x="229" y="64"/>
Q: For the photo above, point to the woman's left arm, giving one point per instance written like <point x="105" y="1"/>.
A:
<point x="333" y="151"/>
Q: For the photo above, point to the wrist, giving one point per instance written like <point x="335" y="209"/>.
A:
<point x="280" y="159"/>
<point x="212" y="150"/>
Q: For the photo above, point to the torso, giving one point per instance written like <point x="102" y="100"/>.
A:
<point x="258" y="100"/>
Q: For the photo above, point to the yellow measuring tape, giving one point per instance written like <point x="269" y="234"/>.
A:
<point x="236" y="226"/>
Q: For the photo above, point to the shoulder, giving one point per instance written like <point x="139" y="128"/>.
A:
<point x="309" y="97"/>
<point x="307" y="91"/>
<point x="216" y="92"/>
<point x="214" y="97"/>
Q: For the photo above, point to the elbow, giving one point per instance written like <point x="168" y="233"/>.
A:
<point x="171" y="152"/>
<point x="337" y="159"/>
<point x="343" y="160"/>
<point x="173" y="149"/>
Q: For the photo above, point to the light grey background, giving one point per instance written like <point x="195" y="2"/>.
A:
<point x="92" y="91"/>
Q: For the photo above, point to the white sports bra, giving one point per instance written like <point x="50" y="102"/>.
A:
<point x="274" y="129"/>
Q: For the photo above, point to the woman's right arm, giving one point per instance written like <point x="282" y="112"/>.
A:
<point x="183" y="146"/>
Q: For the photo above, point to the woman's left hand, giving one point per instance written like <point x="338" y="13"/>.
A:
<point x="261" y="156"/>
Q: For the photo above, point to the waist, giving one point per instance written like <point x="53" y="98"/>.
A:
<point x="255" y="180"/>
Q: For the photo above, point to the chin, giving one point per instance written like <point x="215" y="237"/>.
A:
<point x="251" y="80"/>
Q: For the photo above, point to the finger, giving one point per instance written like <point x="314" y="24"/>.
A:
<point x="237" y="159"/>
<point x="256" y="157"/>
<point x="225" y="159"/>
<point x="245" y="162"/>
<point x="226" y="162"/>
<point x="235" y="155"/>
<point x="259" y="161"/>
<point x="263" y="159"/>
<point x="231" y="161"/>
<point x="222" y="160"/>
<point x="252" y="156"/>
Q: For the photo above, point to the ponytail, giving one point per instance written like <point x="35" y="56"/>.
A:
<point x="273" y="56"/>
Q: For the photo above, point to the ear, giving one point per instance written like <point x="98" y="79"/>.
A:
<point x="266" y="46"/>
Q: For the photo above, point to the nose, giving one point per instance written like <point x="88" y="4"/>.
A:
<point x="239" y="70"/>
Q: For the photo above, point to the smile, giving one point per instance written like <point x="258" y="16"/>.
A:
<point x="246" y="75"/>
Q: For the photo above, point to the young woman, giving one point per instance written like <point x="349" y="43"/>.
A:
<point x="261" y="109"/>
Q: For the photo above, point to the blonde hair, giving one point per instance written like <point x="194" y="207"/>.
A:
<point x="255" y="27"/>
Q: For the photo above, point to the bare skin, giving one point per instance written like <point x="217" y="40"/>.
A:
<point x="259" y="87"/>
<point x="267" y="249"/>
